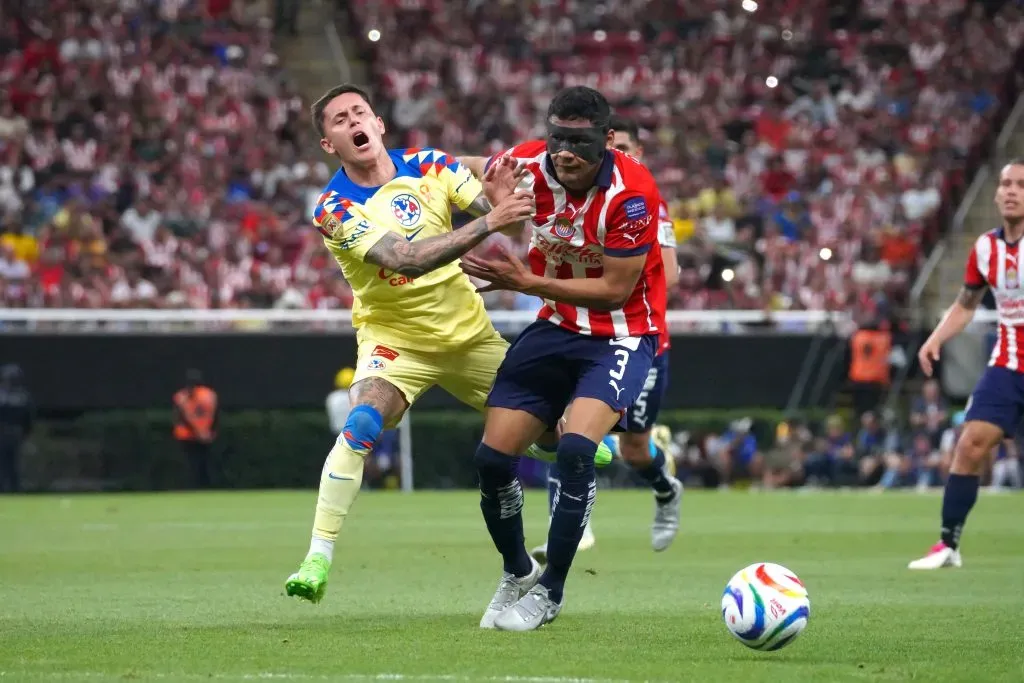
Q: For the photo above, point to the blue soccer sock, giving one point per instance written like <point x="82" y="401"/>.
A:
<point x="554" y="481"/>
<point x="501" y="502"/>
<point x="654" y="473"/>
<point x="959" y="497"/>
<point x="572" y="509"/>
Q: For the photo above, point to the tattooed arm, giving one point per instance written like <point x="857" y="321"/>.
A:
<point x="416" y="258"/>
<point x="957" y="318"/>
<point x="479" y="206"/>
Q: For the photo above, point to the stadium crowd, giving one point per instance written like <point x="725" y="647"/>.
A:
<point x="881" y="451"/>
<point x="154" y="154"/>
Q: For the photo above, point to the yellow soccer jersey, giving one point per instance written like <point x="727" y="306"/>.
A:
<point x="439" y="311"/>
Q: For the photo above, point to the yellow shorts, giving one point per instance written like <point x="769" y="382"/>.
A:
<point x="467" y="374"/>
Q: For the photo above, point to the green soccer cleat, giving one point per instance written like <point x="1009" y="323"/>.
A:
<point x="310" y="582"/>
<point x="606" y="451"/>
<point x="602" y="458"/>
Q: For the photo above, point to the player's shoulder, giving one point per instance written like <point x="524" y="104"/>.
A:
<point x="531" y="149"/>
<point x="635" y="176"/>
<point x="987" y="239"/>
<point x="423" y="162"/>
<point x="637" y="191"/>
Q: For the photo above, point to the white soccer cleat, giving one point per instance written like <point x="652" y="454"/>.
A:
<point x="588" y="540"/>
<point x="939" y="557"/>
<point x="510" y="589"/>
<point x="666" y="517"/>
<point x="532" y="611"/>
<point x="540" y="553"/>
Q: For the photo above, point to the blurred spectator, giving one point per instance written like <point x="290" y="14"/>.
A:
<point x="1006" y="470"/>
<point x="869" y="371"/>
<point x="921" y="200"/>
<point x="920" y="465"/>
<point x="871" y="445"/>
<point x="785" y="462"/>
<point x="195" y="415"/>
<point x="737" y="453"/>
<point x="929" y="412"/>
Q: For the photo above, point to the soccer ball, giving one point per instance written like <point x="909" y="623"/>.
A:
<point x="765" y="606"/>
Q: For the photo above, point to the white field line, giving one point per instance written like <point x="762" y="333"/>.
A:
<point x="283" y="676"/>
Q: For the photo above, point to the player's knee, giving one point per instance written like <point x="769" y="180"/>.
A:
<point x="972" y="449"/>
<point x="489" y="459"/>
<point x="362" y="428"/>
<point x="575" y="454"/>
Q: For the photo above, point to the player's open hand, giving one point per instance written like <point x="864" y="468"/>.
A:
<point x="502" y="178"/>
<point x="510" y="213"/>
<point x="504" y="272"/>
<point x="927" y="356"/>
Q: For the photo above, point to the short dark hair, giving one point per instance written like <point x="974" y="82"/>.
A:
<point x="627" y="126"/>
<point x="317" y="108"/>
<point x="1015" y="161"/>
<point x="581" y="102"/>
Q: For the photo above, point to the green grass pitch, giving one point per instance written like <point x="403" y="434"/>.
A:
<point x="190" y="587"/>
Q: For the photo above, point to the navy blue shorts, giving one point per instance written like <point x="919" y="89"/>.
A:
<point x="998" y="399"/>
<point x="642" y="415"/>
<point x="547" y="367"/>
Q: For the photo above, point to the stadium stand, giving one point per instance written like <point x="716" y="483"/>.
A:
<point x="156" y="155"/>
<point x="809" y="149"/>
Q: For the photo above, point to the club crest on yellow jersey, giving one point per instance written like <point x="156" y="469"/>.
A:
<point x="406" y="209"/>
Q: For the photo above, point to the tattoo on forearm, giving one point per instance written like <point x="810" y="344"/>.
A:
<point x="970" y="298"/>
<point x="479" y="207"/>
<point x="418" y="258"/>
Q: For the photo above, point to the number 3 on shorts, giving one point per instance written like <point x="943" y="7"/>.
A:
<point x="631" y="343"/>
<point x="623" y="356"/>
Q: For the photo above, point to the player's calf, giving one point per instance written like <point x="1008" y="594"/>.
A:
<point x="501" y="502"/>
<point x="647" y="460"/>
<point x="961" y="492"/>
<point x="572" y="509"/>
<point x="377" y="403"/>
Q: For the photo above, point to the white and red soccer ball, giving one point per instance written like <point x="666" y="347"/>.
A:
<point x="765" y="606"/>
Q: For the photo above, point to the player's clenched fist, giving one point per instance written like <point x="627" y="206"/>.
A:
<point x="511" y="212"/>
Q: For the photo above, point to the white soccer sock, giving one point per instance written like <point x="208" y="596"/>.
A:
<point x="321" y="545"/>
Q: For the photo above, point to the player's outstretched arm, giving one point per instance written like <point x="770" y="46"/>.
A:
<point x="476" y="165"/>
<point x="956" y="319"/>
<point x="417" y="258"/>
<point x="500" y="180"/>
<point x="606" y="293"/>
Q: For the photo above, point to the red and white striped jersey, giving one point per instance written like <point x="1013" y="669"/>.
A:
<point x="571" y="234"/>
<point x="993" y="263"/>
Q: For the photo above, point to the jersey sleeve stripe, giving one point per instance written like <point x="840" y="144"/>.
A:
<point x="1000" y="264"/>
<point x="625" y="253"/>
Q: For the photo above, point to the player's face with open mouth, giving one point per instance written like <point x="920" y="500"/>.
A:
<point x="1010" y="195"/>
<point x="351" y="129"/>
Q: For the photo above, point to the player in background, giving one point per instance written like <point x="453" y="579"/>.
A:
<point x="636" y="445"/>
<point x="386" y="218"/>
<point x="593" y="259"/>
<point x="995" y="408"/>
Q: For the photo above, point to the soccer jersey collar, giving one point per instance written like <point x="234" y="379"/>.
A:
<point x="604" y="174"/>
<point x="1001" y="234"/>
